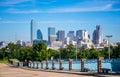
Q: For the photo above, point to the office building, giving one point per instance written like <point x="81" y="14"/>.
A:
<point x="52" y="38"/>
<point x="32" y="30"/>
<point x="51" y="31"/>
<point x="71" y="35"/>
<point x="97" y="35"/>
<point x="82" y="35"/>
<point x="21" y="42"/>
<point x="39" y="35"/>
<point x="61" y="35"/>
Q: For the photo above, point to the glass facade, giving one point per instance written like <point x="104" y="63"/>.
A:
<point x="39" y="34"/>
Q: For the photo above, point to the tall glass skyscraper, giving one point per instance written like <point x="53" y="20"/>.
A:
<point x="97" y="35"/>
<point x="51" y="32"/>
<point x="39" y="35"/>
<point x="32" y="30"/>
<point x="61" y="35"/>
<point x="71" y="35"/>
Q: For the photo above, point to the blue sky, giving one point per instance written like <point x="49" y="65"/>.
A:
<point x="15" y="17"/>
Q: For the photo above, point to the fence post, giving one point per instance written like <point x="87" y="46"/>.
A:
<point x="46" y="64"/>
<point x="99" y="64"/>
<point x="31" y="63"/>
<point x="53" y="67"/>
<point x="37" y="65"/>
<point x="70" y="64"/>
<point x="60" y="65"/>
<point x="82" y="65"/>
<point x="41" y="65"/>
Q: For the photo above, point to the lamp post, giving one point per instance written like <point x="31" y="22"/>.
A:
<point x="109" y="36"/>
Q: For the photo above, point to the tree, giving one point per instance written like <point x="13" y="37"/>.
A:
<point x="68" y="52"/>
<point x="13" y="50"/>
<point x="40" y="51"/>
<point x="53" y="53"/>
<point x="26" y="53"/>
<point x="2" y="53"/>
<point x="116" y="52"/>
<point x="40" y="46"/>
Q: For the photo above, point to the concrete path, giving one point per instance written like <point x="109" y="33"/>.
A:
<point x="7" y="71"/>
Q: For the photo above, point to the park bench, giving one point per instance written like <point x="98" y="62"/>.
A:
<point x="62" y="68"/>
<point x="86" y="69"/>
<point x="105" y="70"/>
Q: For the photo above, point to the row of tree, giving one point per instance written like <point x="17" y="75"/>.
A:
<point x="39" y="52"/>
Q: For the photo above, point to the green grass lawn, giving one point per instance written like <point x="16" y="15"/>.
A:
<point x="4" y="60"/>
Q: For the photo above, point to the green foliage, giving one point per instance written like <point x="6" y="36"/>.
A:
<point x="40" y="46"/>
<point x="39" y="52"/>
<point x="53" y="53"/>
<point x="26" y="53"/>
<point x="68" y="52"/>
<point x="116" y="52"/>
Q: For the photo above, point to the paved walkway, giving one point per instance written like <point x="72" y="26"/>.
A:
<point x="7" y="71"/>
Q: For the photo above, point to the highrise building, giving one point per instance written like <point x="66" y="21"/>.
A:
<point x="61" y="35"/>
<point x="81" y="34"/>
<point x="97" y="35"/>
<point x="22" y="43"/>
<point x="52" y="38"/>
<point x="39" y="35"/>
<point x="32" y="30"/>
<point x="71" y="35"/>
<point x="51" y="32"/>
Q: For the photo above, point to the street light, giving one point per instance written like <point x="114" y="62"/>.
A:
<point x="109" y="36"/>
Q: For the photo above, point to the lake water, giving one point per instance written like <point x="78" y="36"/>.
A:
<point x="113" y="64"/>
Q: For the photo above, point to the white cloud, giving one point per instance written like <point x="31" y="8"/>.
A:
<point x="13" y="22"/>
<point x="107" y="7"/>
<point x="11" y="2"/>
<point x="42" y="22"/>
<point x="78" y="9"/>
<point x="17" y="11"/>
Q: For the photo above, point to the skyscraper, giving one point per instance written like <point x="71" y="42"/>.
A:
<point x="39" y="35"/>
<point x="82" y="34"/>
<point x="71" y="35"/>
<point x="61" y="35"/>
<point x="97" y="35"/>
<point x="32" y="30"/>
<point x="51" y="32"/>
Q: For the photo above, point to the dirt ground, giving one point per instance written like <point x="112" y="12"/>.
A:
<point x="7" y="71"/>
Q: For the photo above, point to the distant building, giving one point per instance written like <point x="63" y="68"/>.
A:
<point x="32" y="30"/>
<point x="52" y="38"/>
<point x="82" y="35"/>
<point x="22" y="43"/>
<point x="67" y="41"/>
<point x="61" y="35"/>
<point x="56" y="45"/>
<point x="71" y="35"/>
<point x="39" y="34"/>
<point x="39" y="40"/>
<point x="51" y="31"/>
<point x="3" y="44"/>
<point x="97" y="35"/>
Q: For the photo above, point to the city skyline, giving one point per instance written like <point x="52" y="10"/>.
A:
<point x="69" y="15"/>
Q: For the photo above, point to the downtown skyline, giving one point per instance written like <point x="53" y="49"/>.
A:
<point x="15" y="17"/>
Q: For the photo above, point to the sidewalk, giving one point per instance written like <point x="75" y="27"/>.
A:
<point x="7" y="71"/>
